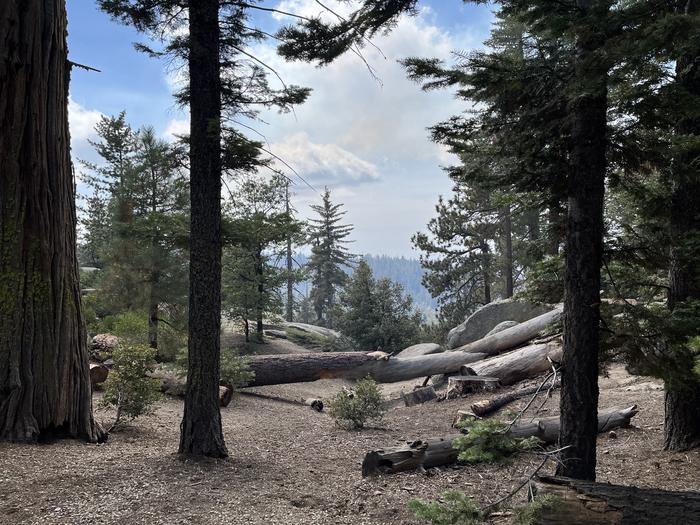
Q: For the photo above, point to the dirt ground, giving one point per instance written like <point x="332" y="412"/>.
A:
<point x="291" y="465"/>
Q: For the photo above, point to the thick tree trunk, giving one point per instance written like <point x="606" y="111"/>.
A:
<point x="289" y="307"/>
<point x="508" y="251"/>
<point x="585" y="503"/>
<point x="200" y="432"/>
<point x="486" y="270"/>
<point x="682" y="418"/>
<point x="436" y="452"/>
<point x="584" y="245"/>
<point x="512" y="337"/>
<point x="511" y="367"/>
<point x="44" y="372"/>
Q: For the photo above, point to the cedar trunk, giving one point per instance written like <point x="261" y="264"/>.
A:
<point x="200" y="432"/>
<point x="682" y="417"/>
<point x="44" y="373"/>
<point x="584" y="243"/>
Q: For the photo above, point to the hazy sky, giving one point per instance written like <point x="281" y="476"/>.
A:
<point x="365" y="139"/>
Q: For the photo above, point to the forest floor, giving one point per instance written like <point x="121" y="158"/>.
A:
<point x="291" y="465"/>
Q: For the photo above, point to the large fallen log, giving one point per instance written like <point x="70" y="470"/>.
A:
<point x="517" y="365"/>
<point x="586" y="503"/>
<point x="512" y="337"/>
<point x="436" y="452"/>
<point x="301" y="368"/>
<point x="489" y="406"/>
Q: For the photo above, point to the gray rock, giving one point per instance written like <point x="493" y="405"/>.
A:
<point x="481" y="322"/>
<point x="420" y="349"/>
<point x="320" y="330"/>
<point x="502" y="326"/>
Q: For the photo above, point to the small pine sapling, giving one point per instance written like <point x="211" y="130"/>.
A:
<point x="354" y="408"/>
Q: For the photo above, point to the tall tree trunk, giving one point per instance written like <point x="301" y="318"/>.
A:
<point x="200" y="431"/>
<point x="261" y="292"/>
<point x="486" y="271"/>
<point x="508" y="250"/>
<point x="290" y="282"/>
<point x="44" y="373"/>
<point x="682" y="418"/>
<point x="556" y="227"/>
<point x="584" y="245"/>
<point x="153" y="320"/>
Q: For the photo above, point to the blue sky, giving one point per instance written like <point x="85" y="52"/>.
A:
<point x="366" y="140"/>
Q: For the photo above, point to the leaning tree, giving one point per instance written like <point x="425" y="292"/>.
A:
<point x="44" y="376"/>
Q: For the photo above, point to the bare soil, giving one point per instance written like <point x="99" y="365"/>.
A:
<point x="291" y="465"/>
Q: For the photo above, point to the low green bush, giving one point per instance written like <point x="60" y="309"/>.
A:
<point x="128" y="388"/>
<point x="487" y="441"/>
<point x="456" y="508"/>
<point x="354" y="408"/>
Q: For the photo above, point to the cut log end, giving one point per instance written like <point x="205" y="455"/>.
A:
<point x="98" y="374"/>
<point x="225" y="395"/>
<point x="419" y="396"/>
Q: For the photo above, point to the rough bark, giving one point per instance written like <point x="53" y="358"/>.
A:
<point x="585" y="503"/>
<point x="508" y="251"/>
<point x="301" y="368"/>
<point x="289" y="306"/>
<point x="44" y="372"/>
<point x="682" y="404"/>
<point x="584" y="245"/>
<point x="98" y="374"/>
<point x="489" y="406"/>
<point x="200" y="431"/>
<point x="517" y="365"/>
<point x="435" y="452"/>
<point x="512" y="337"/>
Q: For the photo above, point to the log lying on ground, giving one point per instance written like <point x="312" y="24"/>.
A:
<point x="458" y="386"/>
<point x="517" y="365"/>
<point x="420" y="349"/>
<point x="436" y="452"/>
<point x="547" y="428"/>
<point x="586" y="503"/>
<point x="225" y="395"/>
<point x="315" y="403"/>
<point x="489" y="406"/>
<point x="512" y="337"/>
<point x="301" y="368"/>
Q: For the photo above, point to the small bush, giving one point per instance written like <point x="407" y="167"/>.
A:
<point x="532" y="512"/>
<point x="455" y="509"/>
<point x="235" y="370"/>
<point x="127" y="387"/>
<point x="486" y="441"/>
<point x="354" y="409"/>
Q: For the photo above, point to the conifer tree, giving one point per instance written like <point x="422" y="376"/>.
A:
<point x="329" y="256"/>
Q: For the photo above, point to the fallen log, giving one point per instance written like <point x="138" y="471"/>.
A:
<point x="420" y="349"/>
<point x="419" y="396"/>
<point x="436" y="452"/>
<point x="517" y="365"/>
<point x="315" y="403"/>
<point x="512" y="337"/>
<point x="489" y="406"/>
<point x="547" y="428"/>
<point x="586" y="503"/>
<point x="301" y="368"/>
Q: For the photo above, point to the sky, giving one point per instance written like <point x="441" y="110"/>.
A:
<point x="366" y="139"/>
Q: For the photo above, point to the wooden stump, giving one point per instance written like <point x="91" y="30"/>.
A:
<point x="585" y="503"/>
<point x="419" y="396"/>
<point x="98" y="374"/>
<point x="458" y="386"/>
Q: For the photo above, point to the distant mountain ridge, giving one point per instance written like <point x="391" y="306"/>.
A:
<point x="405" y="271"/>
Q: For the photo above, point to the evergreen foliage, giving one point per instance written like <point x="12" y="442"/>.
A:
<point x="329" y="257"/>
<point x="355" y="408"/>
<point x="453" y="508"/>
<point x="487" y="441"/>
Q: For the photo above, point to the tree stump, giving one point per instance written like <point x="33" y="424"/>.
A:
<point x="459" y="386"/>
<point x="98" y="374"/>
<point x="419" y="396"/>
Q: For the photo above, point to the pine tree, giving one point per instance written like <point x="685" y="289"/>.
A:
<point x="329" y="257"/>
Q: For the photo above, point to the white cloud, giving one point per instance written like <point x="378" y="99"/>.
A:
<point x="82" y="121"/>
<point x="324" y="164"/>
<point x="176" y="127"/>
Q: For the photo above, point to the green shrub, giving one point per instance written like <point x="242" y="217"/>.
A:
<point x="545" y="281"/>
<point x="455" y="509"/>
<point x="531" y="513"/>
<point x="131" y="326"/>
<point x="127" y="387"/>
<point x="354" y="409"/>
<point x="234" y="369"/>
<point x="486" y="441"/>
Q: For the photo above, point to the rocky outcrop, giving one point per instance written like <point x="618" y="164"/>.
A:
<point x="486" y="318"/>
